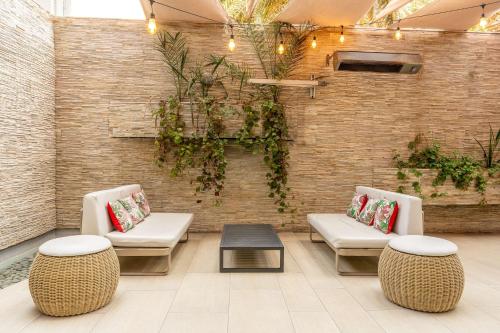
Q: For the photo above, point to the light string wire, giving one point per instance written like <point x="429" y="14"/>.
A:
<point x="368" y="23"/>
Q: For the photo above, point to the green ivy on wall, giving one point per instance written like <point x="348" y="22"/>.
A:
<point x="464" y="171"/>
<point x="191" y="123"/>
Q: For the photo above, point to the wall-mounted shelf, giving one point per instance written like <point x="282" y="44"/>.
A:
<point x="311" y="84"/>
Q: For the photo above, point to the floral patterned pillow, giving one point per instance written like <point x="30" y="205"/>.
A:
<point x="132" y="208"/>
<point x="140" y="199"/>
<point x="357" y="204"/>
<point x="368" y="212"/>
<point x="119" y="216"/>
<point x="385" y="216"/>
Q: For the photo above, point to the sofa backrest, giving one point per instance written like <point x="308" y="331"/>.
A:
<point x="409" y="220"/>
<point x="95" y="218"/>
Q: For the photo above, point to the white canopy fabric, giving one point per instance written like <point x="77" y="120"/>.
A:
<point x="324" y="12"/>
<point x="454" y="21"/>
<point x="392" y="6"/>
<point x="211" y="9"/>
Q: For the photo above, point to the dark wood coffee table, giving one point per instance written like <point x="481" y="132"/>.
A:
<point x="250" y="237"/>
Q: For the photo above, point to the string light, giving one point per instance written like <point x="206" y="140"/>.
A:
<point x="281" y="47"/>
<point x="152" y="20"/>
<point x="483" y="22"/>
<point x="314" y="43"/>
<point x="231" y="45"/>
<point x="342" y="37"/>
<point x="398" y="34"/>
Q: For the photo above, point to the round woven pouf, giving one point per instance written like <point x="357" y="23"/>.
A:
<point x="421" y="273"/>
<point x="74" y="275"/>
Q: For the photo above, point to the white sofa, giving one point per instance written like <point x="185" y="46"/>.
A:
<point x="157" y="235"/>
<point x="348" y="237"/>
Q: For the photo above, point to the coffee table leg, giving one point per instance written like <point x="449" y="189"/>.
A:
<point x="282" y="260"/>
<point x="221" y="260"/>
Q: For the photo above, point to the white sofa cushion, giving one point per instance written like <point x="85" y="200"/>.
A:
<point x="409" y="219"/>
<point x="157" y="230"/>
<point x="77" y="245"/>
<point x="342" y="231"/>
<point x="424" y="245"/>
<point x="95" y="218"/>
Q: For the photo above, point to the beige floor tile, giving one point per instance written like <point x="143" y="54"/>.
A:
<point x="408" y="321"/>
<point x="136" y="311"/>
<point x="183" y="255"/>
<point x="367" y="291"/>
<point x="492" y="311"/>
<point x="195" y="323"/>
<point x="467" y="318"/>
<point x="166" y="282"/>
<point x="481" y="295"/>
<point x="319" y="276"/>
<point x="254" y="281"/>
<point x="203" y="292"/>
<point x="258" y="311"/>
<point x="346" y="312"/>
<point x="16" y="307"/>
<point x="313" y="322"/>
<point x="77" y="324"/>
<point x="298" y="294"/>
<point x="206" y="257"/>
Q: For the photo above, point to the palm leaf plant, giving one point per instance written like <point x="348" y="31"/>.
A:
<point x="490" y="152"/>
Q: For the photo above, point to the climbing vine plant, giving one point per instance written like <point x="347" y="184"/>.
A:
<point x="190" y="123"/>
<point x="463" y="170"/>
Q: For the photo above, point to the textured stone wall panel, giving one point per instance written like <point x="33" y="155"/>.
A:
<point x="106" y="69"/>
<point x="27" y="122"/>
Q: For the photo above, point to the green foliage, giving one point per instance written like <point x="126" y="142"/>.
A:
<point x="200" y="91"/>
<point x="463" y="170"/>
<point x="493" y="147"/>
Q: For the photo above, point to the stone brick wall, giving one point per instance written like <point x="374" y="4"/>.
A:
<point x="108" y="73"/>
<point x="27" y="122"/>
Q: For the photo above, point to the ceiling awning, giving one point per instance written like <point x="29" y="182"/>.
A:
<point x="392" y="6"/>
<point x="207" y="10"/>
<point x="459" y="20"/>
<point x="324" y="12"/>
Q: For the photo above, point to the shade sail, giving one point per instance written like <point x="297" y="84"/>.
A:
<point x="324" y="12"/>
<point x="392" y="6"/>
<point x="454" y="21"/>
<point x="211" y="9"/>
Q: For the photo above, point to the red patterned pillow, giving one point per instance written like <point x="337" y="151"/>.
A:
<point x="357" y="204"/>
<point x="132" y="208"/>
<point x="368" y="212"/>
<point x="140" y="199"/>
<point x="119" y="216"/>
<point x="385" y="216"/>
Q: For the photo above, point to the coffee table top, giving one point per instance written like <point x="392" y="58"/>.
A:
<point x="250" y="236"/>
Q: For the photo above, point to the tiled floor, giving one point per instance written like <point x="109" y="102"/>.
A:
<point x="309" y="297"/>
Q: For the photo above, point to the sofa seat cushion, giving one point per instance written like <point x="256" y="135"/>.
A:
<point x="344" y="232"/>
<point x="157" y="230"/>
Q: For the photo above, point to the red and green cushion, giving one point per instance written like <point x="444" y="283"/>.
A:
<point x="368" y="212"/>
<point x="357" y="204"/>
<point x="120" y="217"/>
<point x="385" y="216"/>
<point x="142" y="202"/>
<point x="133" y="209"/>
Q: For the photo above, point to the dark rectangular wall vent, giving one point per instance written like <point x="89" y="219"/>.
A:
<point x="380" y="62"/>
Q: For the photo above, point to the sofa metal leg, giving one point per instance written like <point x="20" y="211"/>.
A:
<point x="186" y="239"/>
<point x="311" y="230"/>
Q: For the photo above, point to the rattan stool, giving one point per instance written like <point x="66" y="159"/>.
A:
<point x="421" y="273"/>
<point x="74" y="275"/>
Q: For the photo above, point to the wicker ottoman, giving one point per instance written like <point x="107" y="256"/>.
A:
<point x="74" y="275"/>
<point x="421" y="273"/>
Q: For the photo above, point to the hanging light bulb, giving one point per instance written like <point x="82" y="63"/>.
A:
<point x="152" y="20"/>
<point x="281" y="47"/>
<point x="342" y="37"/>
<point x="314" y="43"/>
<point x="398" y="34"/>
<point x="231" y="45"/>
<point x="483" y="22"/>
